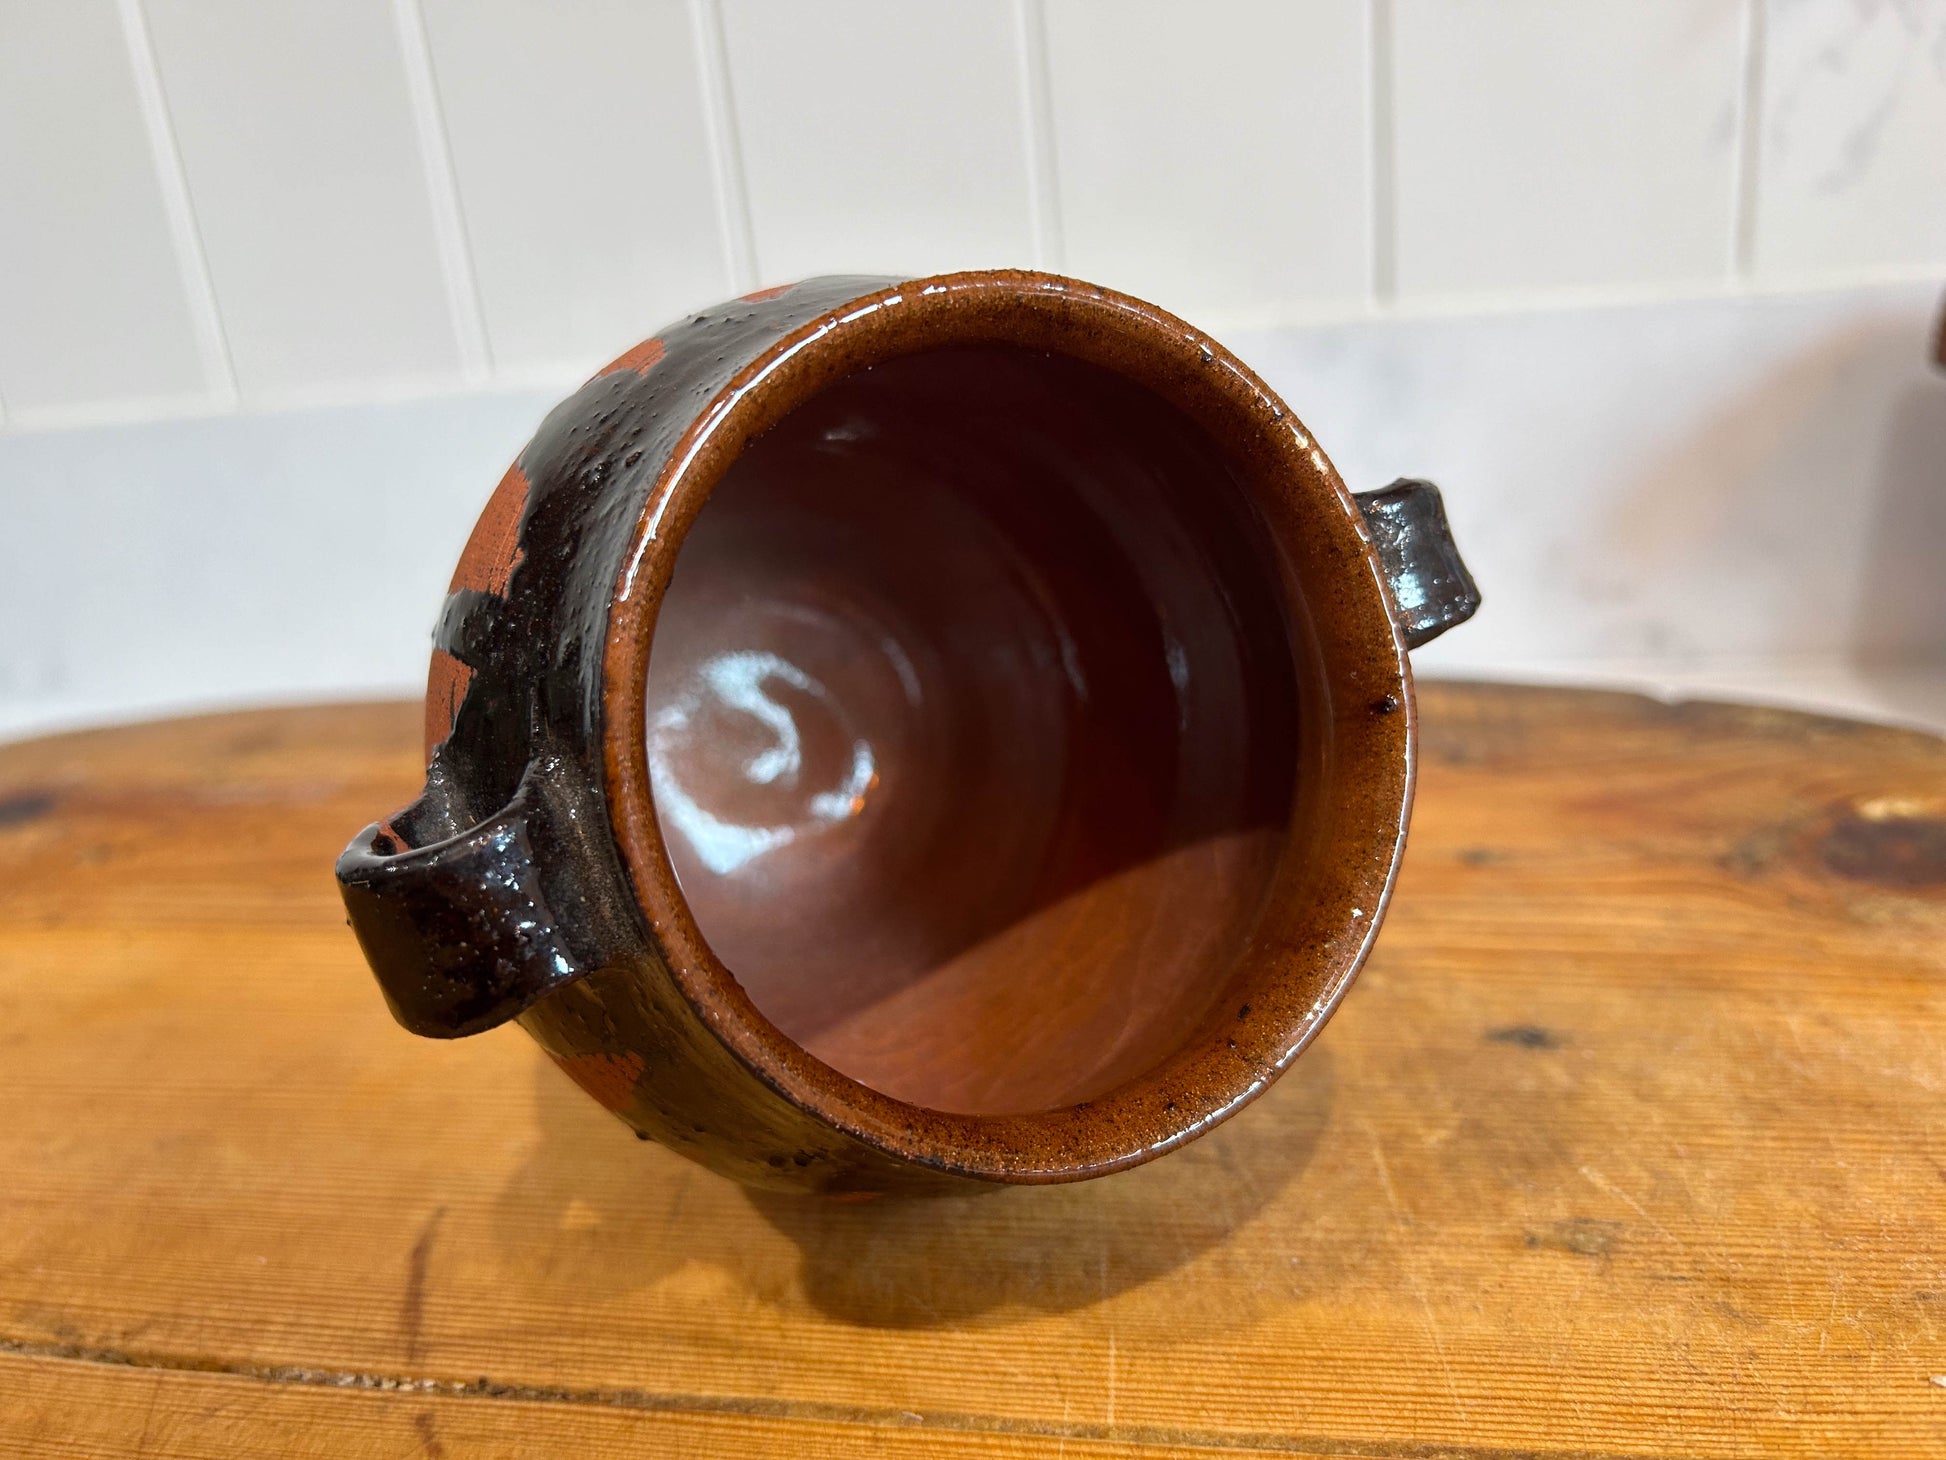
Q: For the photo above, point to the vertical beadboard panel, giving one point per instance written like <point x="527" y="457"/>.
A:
<point x="1037" y="112"/>
<point x="442" y="193"/>
<point x="881" y="135"/>
<point x="1541" y="145"/>
<point x="92" y="306"/>
<point x="1215" y="157"/>
<point x="298" y="140"/>
<point x="1852" y="172"/>
<point x="579" y="139"/>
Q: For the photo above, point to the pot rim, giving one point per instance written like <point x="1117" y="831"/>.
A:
<point x="1355" y="758"/>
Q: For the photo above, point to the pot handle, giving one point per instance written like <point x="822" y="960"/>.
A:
<point x="1431" y="589"/>
<point x="453" y="918"/>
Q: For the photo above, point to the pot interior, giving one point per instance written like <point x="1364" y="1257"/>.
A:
<point x="972" y="727"/>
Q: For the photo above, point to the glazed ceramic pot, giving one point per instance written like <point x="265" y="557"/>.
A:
<point x="906" y="736"/>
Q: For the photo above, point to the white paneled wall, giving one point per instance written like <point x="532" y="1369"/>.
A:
<point x="94" y="306"/>
<point x="1216" y="156"/>
<point x="296" y="131"/>
<point x="882" y="135"/>
<point x="1852" y="147"/>
<point x="1628" y="276"/>
<point x="581" y="143"/>
<point x="1539" y="145"/>
<point x="280" y="201"/>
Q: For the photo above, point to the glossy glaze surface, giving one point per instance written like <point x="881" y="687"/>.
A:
<point x="1351" y="754"/>
<point x="972" y="727"/>
<point x="540" y="724"/>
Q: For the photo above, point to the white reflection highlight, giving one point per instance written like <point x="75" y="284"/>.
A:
<point x="739" y="681"/>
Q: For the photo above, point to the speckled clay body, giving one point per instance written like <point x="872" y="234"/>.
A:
<point x="898" y="736"/>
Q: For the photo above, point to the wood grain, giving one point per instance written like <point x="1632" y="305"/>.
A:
<point x="1627" y="1143"/>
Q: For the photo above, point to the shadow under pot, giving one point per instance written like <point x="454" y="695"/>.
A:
<point x="903" y="736"/>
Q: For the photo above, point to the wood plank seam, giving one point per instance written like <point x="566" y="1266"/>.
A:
<point x="1161" y="1437"/>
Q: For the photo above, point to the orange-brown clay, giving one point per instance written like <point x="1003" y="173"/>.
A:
<point x="485" y="565"/>
<point x="971" y="718"/>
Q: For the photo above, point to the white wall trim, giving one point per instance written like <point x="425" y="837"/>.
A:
<point x="1747" y="179"/>
<point x="442" y="196"/>
<point x="1384" y="207"/>
<point x="185" y="234"/>
<point x="1037" y="125"/>
<point x="725" y="146"/>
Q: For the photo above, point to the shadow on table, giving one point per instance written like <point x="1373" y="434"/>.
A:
<point x="947" y="1260"/>
<point x="592" y="1211"/>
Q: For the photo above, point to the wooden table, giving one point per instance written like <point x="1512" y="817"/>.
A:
<point x="1630" y="1141"/>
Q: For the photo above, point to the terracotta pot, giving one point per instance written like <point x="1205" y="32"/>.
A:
<point x="902" y="736"/>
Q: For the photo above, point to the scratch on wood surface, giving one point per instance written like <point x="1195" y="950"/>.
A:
<point x="1384" y="1174"/>
<point x="1438" y="1344"/>
<point x="148" y="1417"/>
<point x="1603" y="1184"/>
<point x="1111" y="1337"/>
<point x="1410" y="1268"/>
<point x="1111" y="1376"/>
<point x="412" y="1307"/>
<point x="1831" y="1313"/>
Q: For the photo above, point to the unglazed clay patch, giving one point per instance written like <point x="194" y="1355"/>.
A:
<point x="638" y="359"/>
<point x="485" y="566"/>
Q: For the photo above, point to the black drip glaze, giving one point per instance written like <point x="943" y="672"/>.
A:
<point x="501" y="882"/>
<point x="1431" y="588"/>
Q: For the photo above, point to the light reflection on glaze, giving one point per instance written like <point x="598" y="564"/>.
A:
<point x="738" y="681"/>
<point x="970" y="694"/>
